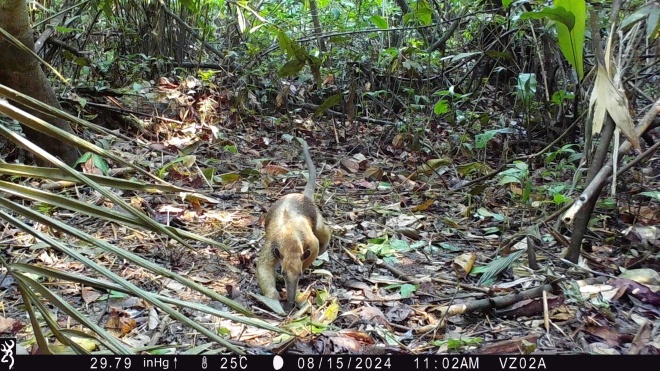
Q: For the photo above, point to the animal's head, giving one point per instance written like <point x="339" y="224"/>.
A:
<point x="292" y="268"/>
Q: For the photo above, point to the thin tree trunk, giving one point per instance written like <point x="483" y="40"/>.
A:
<point x="19" y="70"/>
<point x="317" y="24"/>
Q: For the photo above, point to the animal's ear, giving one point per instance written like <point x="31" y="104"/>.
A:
<point x="276" y="253"/>
<point x="306" y="254"/>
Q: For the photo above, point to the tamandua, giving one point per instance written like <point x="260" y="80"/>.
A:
<point x="295" y="235"/>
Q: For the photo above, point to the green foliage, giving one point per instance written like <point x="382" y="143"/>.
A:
<point x="560" y="96"/>
<point x="329" y="103"/>
<point x="526" y="88"/>
<point x="557" y="14"/>
<point x="420" y="13"/>
<point x="458" y="344"/>
<point x="98" y="162"/>
<point x="379" y="21"/>
<point x="570" y="21"/>
<point x="448" y="95"/>
<point x="298" y="58"/>
<point x="655" y="195"/>
<point x="650" y="13"/>
<point x="481" y="140"/>
<point x="206" y="75"/>
<point x="385" y="248"/>
<point x="495" y="267"/>
<point x="518" y="173"/>
<point x="566" y="150"/>
<point x="405" y="289"/>
<point x="45" y="208"/>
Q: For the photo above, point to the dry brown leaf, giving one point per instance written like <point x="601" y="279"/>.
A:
<point x="373" y="173"/>
<point x="344" y="345"/>
<point x="119" y="322"/>
<point x="463" y="264"/>
<point x="350" y="165"/>
<point x="642" y="339"/>
<point x="358" y="335"/>
<point x="279" y="100"/>
<point x="606" y="98"/>
<point x="399" y="140"/>
<point x="411" y="233"/>
<point x="609" y="335"/>
<point x="90" y="295"/>
<point x="274" y="170"/>
<point x="424" y="206"/>
<point x="88" y="167"/>
<point x="368" y="314"/>
<point x="9" y="325"/>
<point x="329" y="80"/>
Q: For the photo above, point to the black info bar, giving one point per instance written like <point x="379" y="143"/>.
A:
<point x="327" y="362"/>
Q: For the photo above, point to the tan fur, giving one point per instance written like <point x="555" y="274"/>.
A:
<point x="295" y="235"/>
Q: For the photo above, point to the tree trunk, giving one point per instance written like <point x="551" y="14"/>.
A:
<point x="21" y="71"/>
<point x="314" y="10"/>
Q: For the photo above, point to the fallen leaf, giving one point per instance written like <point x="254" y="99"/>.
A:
<point x="119" y="322"/>
<point x="424" y="206"/>
<point x="8" y="325"/>
<point x="90" y="295"/>
<point x="463" y="264"/>
<point x="274" y="170"/>
<point x="369" y="315"/>
<point x="373" y="173"/>
<point x="358" y="335"/>
<point x="644" y="276"/>
<point x="350" y="165"/>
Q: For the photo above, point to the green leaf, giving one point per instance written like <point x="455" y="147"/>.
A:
<point x="383" y="186"/>
<point x="652" y="194"/>
<point x="485" y="213"/>
<point x="441" y="107"/>
<point x="571" y="39"/>
<point x="291" y="68"/>
<point x="424" y="14"/>
<point x="190" y="5"/>
<point x="400" y="245"/>
<point x="560" y="199"/>
<point x="379" y="21"/>
<point x="635" y="17"/>
<point x="407" y="289"/>
<point x="480" y="140"/>
<point x="448" y="246"/>
<point x="223" y="331"/>
<point x="570" y="17"/>
<point x="653" y="23"/>
<point x="561" y="95"/>
<point x="101" y="163"/>
<point x="67" y="29"/>
<point x="509" y="179"/>
<point x="460" y="56"/>
<point x="558" y="14"/>
<point x="527" y="191"/>
<point x="330" y="102"/>
<point x="499" y="265"/>
<point x="285" y="43"/>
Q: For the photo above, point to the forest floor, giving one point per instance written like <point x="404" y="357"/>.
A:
<point x="405" y="268"/>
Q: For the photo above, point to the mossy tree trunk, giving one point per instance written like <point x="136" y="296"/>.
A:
<point x="19" y="70"/>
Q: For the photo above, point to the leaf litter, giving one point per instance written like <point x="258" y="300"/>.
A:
<point x="411" y="267"/>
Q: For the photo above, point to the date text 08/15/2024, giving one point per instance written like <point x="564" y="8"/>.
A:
<point x="421" y="363"/>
